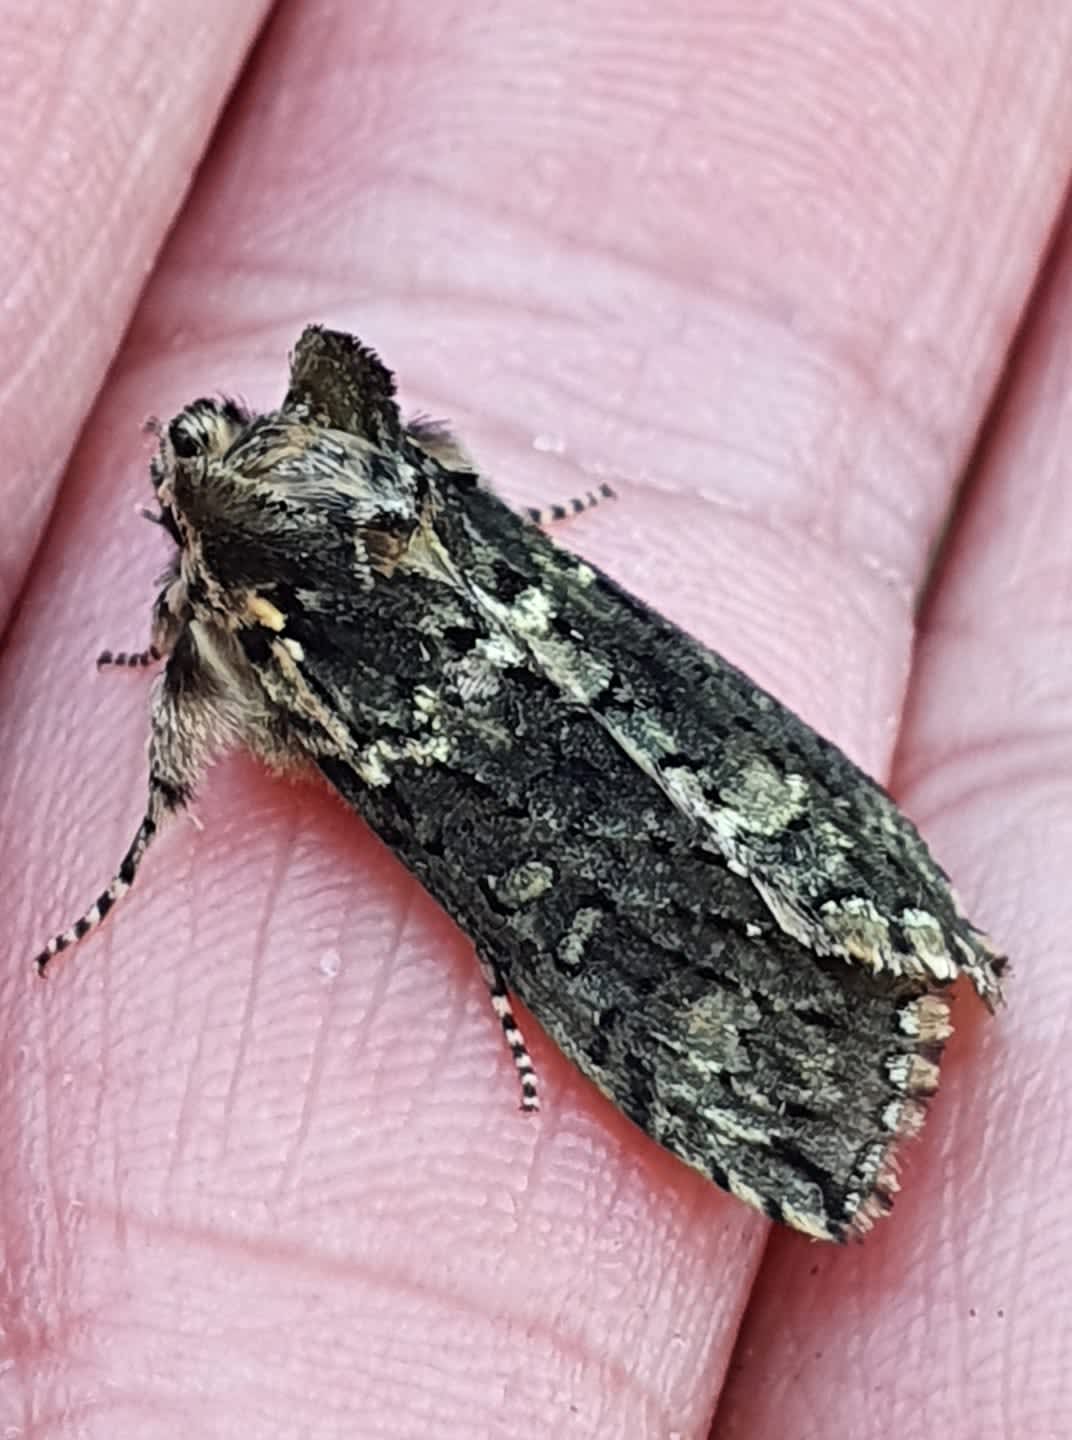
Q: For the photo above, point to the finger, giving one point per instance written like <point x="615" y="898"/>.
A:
<point x="382" y="1125"/>
<point x="970" y="1281"/>
<point x="104" y="111"/>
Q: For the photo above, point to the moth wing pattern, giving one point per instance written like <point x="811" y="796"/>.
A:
<point x="840" y="867"/>
<point x="727" y="926"/>
<point x="517" y="758"/>
<point x="785" y="1077"/>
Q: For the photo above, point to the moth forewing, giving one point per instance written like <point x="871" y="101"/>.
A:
<point x="720" y="919"/>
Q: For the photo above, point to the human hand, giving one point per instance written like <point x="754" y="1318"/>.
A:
<point x="262" y="1165"/>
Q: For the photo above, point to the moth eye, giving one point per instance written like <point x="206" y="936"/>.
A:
<point x="185" y="444"/>
<point x="206" y="427"/>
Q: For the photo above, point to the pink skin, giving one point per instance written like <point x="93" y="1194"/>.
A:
<point x="105" y="113"/>
<point x="261" y="1162"/>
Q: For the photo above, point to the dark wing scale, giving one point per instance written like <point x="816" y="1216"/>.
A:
<point x="720" y="720"/>
<point x="784" y="1076"/>
<point x="651" y="965"/>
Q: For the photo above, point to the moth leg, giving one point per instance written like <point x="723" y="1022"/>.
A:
<point x="133" y="659"/>
<point x="500" y="1003"/>
<point x="550" y="514"/>
<point x="176" y="757"/>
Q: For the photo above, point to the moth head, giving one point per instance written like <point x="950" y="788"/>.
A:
<point x="204" y="431"/>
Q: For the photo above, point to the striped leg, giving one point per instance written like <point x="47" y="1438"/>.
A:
<point x="500" y="1003"/>
<point x="121" y="883"/>
<point x="550" y="514"/>
<point x="176" y="756"/>
<point x="133" y="659"/>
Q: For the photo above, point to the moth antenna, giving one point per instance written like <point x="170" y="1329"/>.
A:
<point x="132" y="659"/>
<point x="500" y="1003"/>
<point x="104" y="902"/>
<point x="551" y="514"/>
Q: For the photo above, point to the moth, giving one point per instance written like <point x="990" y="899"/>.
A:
<point x="717" y="917"/>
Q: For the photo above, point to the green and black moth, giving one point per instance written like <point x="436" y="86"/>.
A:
<point x="717" y="917"/>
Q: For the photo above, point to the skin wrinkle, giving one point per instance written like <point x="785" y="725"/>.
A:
<point x="384" y="973"/>
<point x="853" y="379"/>
<point x="328" y="1268"/>
<point x="55" y="1189"/>
<point x="388" y="976"/>
<point x="263" y="925"/>
<point x="1023" y="760"/>
<point x="312" y="1089"/>
<point x="190" y="1093"/>
<point x="191" y="1089"/>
